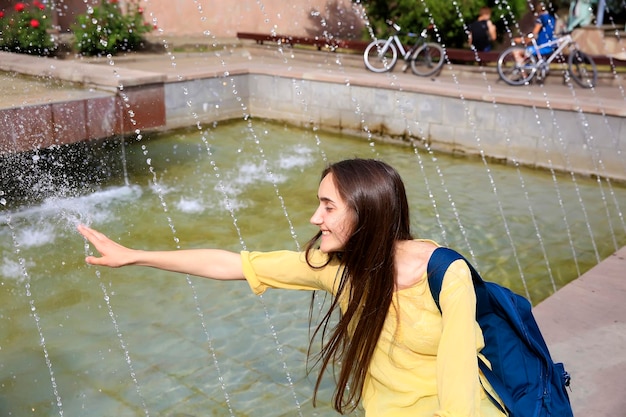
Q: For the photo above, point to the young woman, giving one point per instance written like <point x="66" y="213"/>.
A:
<point x="399" y="355"/>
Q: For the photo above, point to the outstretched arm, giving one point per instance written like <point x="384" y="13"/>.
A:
<point x="534" y="33"/>
<point x="208" y="263"/>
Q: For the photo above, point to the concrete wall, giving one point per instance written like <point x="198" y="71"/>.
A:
<point x="226" y="18"/>
<point x="529" y="135"/>
<point x="601" y="41"/>
<point x="563" y="140"/>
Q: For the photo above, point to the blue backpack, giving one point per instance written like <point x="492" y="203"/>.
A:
<point x="523" y="374"/>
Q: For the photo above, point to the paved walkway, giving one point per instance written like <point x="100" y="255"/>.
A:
<point x="229" y="57"/>
<point x="584" y="322"/>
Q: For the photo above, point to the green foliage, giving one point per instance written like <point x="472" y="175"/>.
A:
<point x="449" y="17"/>
<point x="26" y="30"/>
<point x="107" y="29"/>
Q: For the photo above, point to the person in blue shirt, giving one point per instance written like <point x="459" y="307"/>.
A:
<point x="543" y="31"/>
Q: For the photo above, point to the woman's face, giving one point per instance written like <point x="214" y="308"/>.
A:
<point x="334" y="218"/>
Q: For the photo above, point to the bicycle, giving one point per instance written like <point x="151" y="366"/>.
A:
<point x="425" y="58"/>
<point x="517" y="65"/>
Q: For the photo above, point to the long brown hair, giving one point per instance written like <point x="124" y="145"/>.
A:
<point x="376" y="194"/>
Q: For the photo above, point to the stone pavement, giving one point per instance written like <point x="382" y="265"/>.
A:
<point x="232" y="56"/>
<point x="584" y="323"/>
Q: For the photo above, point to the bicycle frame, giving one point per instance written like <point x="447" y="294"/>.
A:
<point x="394" y="39"/>
<point x="404" y="53"/>
<point x="562" y="42"/>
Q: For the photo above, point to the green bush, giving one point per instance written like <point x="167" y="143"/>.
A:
<point x="107" y="29"/>
<point x="27" y="30"/>
<point x="448" y="16"/>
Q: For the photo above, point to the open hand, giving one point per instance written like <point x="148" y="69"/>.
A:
<point x="113" y="254"/>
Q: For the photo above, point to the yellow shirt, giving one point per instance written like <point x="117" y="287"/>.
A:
<point x="425" y="361"/>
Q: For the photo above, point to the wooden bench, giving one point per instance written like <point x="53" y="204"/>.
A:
<point x="463" y="55"/>
<point x="469" y="56"/>
<point x="319" y="42"/>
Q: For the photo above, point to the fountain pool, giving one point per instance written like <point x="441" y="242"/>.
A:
<point x="79" y="340"/>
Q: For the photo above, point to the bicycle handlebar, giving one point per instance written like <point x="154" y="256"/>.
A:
<point x="397" y="28"/>
<point x="393" y="25"/>
<point x="563" y="37"/>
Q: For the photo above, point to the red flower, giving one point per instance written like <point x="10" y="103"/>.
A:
<point x="19" y="7"/>
<point x="1" y="14"/>
<point x="140" y="10"/>
<point x="113" y="1"/>
<point x="38" y="5"/>
<point x="34" y="23"/>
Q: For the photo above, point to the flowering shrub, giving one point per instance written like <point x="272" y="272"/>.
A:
<point x="26" y="30"/>
<point x="106" y="29"/>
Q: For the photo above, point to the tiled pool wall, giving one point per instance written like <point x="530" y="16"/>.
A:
<point x="580" y="142"/>
<point x="91" y="116"/>
<point x="587" y="143"/>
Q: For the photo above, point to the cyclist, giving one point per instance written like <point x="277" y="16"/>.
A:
<point x="543" y="31"/>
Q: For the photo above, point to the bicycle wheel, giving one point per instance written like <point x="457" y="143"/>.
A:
<point x="515" y="66"/>
<point x="379" y="59"/>
<point x="582" y="69"/>
<point x="427" y="60"/>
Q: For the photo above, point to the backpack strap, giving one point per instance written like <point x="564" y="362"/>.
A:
<point x="498" y="386"/>
<point x="438" y="264"/>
